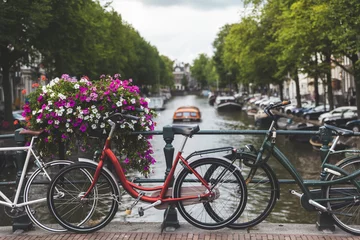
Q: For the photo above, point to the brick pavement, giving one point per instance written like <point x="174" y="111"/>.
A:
<point x="175" y="236"/>
<point x="151" y="231"/>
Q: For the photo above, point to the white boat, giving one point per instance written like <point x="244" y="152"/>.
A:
<point x="227" y="103"/>
<point x="156" y="103"/>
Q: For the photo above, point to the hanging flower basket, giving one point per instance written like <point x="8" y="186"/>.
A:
<point x="70" y="110"/>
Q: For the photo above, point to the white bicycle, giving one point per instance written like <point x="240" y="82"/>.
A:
<point x="34" y="202"/>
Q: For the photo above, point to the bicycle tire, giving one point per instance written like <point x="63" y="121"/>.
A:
<point x="35" y="190"/>
<point x="195" y="211"/>
<point x="346" y="215"/>
<point x="262" y="192"/>
<point x="83" y="215"/>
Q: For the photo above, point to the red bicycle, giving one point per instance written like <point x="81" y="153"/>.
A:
<point x="84" y="196"/>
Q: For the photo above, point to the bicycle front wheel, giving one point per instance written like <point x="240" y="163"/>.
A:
<point x="223" y="206"/>
<point x="74" y="212"/>
<point x="35" y="193"/>
<point x="345" y="212"/>
<point x="262" y="192"/>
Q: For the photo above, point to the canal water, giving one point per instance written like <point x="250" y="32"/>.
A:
<point x="287" y="210"/>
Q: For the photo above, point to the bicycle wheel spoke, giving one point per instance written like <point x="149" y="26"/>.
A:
<point x="343" y="198"/>
<point x="75" y="210"/>
<point x="35" y="189"/>
<point x="217" y="207"/>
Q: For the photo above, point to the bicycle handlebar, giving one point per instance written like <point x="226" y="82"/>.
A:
<point x="272" y="106"/>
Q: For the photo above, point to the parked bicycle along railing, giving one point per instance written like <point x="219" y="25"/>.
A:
<point x="30" y="197"/>
<point x="336" y="193"/>
<point x="84" y="196"/>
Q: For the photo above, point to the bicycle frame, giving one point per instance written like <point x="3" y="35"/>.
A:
<point x="130" y="187"/>
<point x="30" y="152"/>
<point x="269" y="145"/>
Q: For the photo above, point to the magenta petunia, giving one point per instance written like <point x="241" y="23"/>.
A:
<point x="83" y="127"/>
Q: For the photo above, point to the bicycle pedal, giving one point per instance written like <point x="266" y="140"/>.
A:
<point x="141" y="211"/>
<point x="128" y="211"/>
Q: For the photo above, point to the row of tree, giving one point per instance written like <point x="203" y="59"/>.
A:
<point x="284" y="37"/>
<point x="78" y="37"/>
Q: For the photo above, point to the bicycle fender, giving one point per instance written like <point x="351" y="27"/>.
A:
<point x="207" y="157"/>
<point x="104" y="169"/>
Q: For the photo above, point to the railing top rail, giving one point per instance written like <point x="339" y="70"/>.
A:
<point x="243" y="132"/>
<point x="7" y="136"/>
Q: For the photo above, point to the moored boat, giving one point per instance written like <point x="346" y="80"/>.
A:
<point x="223" y="103"/>
<point x="157" y="103"/>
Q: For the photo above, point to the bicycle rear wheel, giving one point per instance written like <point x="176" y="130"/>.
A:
<point x="346" y="213"/>
<point x="35" y="190"/>
<point x="227" y="201"/>
<point x="78" y="214"/>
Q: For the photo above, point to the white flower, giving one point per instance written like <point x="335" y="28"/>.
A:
<point x="39" y="120"/>
<point x="40" y="110"/>
<point x="80" y="116"/>
<point x="78" y="108"/>
<point x="86" y="117"/>
<point x="119" y="103"/>
<point x="68" y="120"/>
<point x="146" y="110"/>
<point x="67" y="125"/>
<point x="76" y="86"/>
<point x="140" y="136"/>
<point x="47" y="108"/>
<point x="49" y="103"/>
<point x="133" y="101"/>
<point x="147" y="100"/>
<point x="102" y="125"/>
<point x="69" y="110"/>
<point x="93" y="126"/>
<point x="95" y="110"/>
<point x="134" y="121"/>
<point x="69" y="130"/>
<point x="52" y="94"/>
<point x="44" y="89"/>
<point x="122" y="125"/>
<point x="96" y="121"/>
<point x="61" y="96"/>
<point x="98" y="115"/>
<point x="57" y="122"/>
<point x="147" y="128"/>
<point x="33" y="112"/>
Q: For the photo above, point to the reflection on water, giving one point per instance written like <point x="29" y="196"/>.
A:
<point x="304" y="158"/>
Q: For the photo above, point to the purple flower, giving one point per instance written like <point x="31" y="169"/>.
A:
<point x="83" y="127"/>
<point x="50" y="121"/>
<point x="126" y="160"/>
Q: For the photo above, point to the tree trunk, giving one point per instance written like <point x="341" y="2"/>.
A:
<point x="328" y="81"/>
<point x="7" y="93"/>
<point x="281" y="89"/>
<point x="297" y="84"/>
<point x="316" y="90"/>
<point x="356" y="70"/>
<point x="316" y="83"/>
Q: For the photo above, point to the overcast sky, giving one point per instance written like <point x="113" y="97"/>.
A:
<point x="180" y="29"/>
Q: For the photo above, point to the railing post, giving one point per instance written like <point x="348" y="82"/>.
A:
<point x="22" y="222"/>
<point x="170" y="215"/>
<point x="324" y="220"/>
